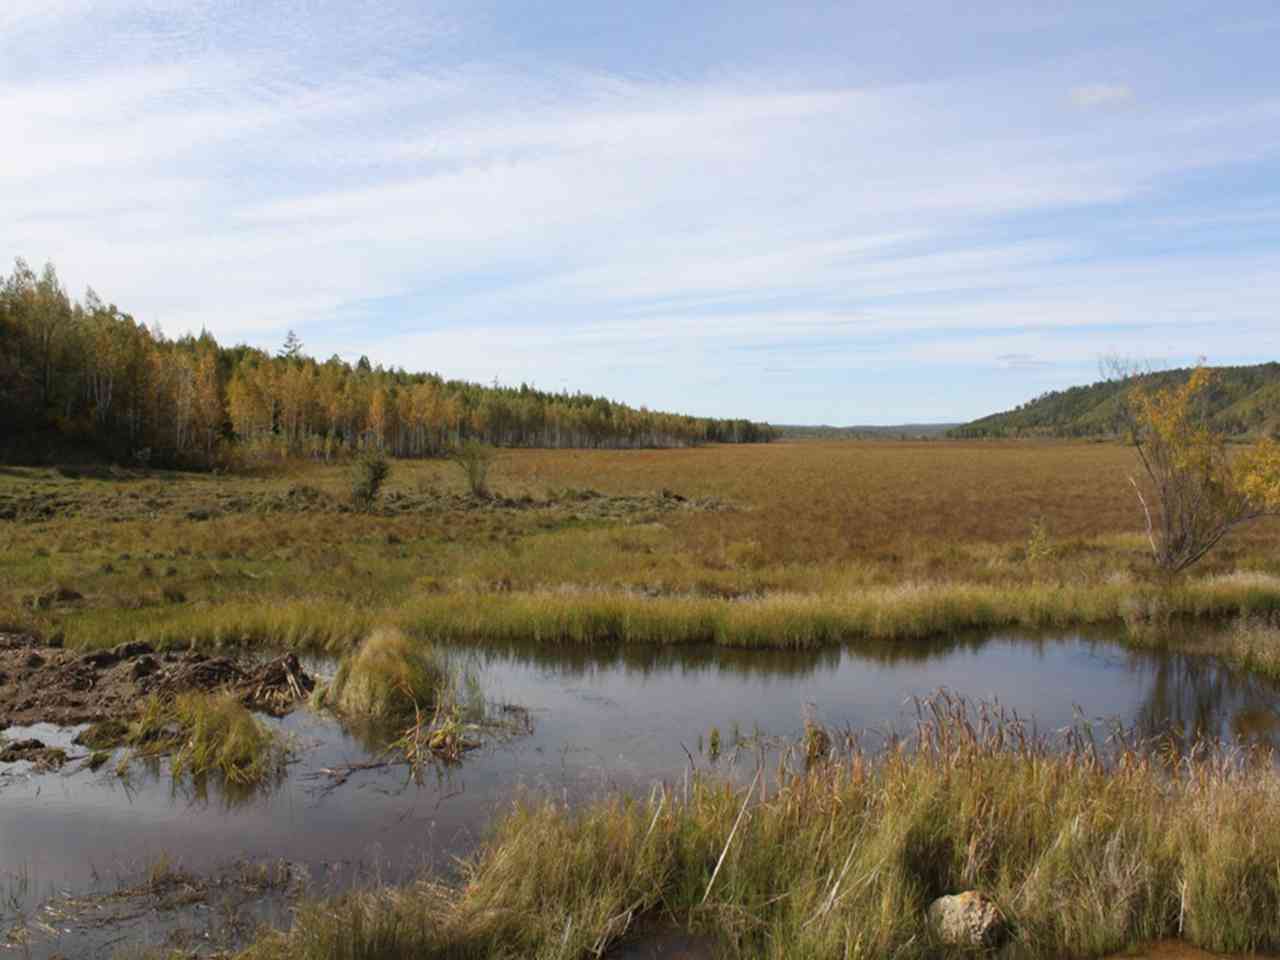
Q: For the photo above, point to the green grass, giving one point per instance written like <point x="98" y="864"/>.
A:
<point x="1084" y="854"/>
<point x="207" y="734"/>
<point x="904" y="613"/>
<point x="312" y="624"/>
<point x="873" y="615"/>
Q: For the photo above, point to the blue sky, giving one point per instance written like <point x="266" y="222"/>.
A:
<point x="839" y="213"/>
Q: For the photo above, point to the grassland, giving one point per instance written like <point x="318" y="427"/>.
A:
<point x="1085" y="852"/>
<point x="789" y="544"/>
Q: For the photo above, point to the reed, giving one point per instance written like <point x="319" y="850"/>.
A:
<point x="1089" y="847"/>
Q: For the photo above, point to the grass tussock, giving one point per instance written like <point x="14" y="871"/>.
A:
<point x="206" y="734"/>
<point x="402" y="697"/>
<point x="1086" y="850"/>
<point x="388" y="680"/>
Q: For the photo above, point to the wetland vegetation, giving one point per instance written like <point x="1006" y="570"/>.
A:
<point x="1087" y="850"/>
<point x="788" y="544"/>
<point x="182" y="613"/>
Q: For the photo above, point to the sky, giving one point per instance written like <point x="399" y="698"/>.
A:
<point x="844" y="213"/>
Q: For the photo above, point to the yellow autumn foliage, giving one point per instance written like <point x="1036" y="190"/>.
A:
<point x="1198" y="491"/>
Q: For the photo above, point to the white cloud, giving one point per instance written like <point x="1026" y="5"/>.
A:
<point x="1102" y="95"/>
<point x="541" y="222"/>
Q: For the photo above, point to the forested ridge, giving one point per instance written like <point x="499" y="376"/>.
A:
<point x="1241" y="401"/>
<point x="85" y="375"/>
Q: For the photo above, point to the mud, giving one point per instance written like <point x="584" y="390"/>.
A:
<point x="46" y="684"/>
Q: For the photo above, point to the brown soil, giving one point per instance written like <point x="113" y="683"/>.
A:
<point x="43" y="684"/>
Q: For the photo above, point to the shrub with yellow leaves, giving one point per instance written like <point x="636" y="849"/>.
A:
<point x="1196" y="491"/>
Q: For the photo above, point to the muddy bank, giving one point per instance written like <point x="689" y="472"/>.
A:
<point x="48" y="684"/>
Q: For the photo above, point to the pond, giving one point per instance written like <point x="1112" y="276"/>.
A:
<point x="599" y="719"/>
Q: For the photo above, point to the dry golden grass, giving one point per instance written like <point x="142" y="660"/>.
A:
<point x="1086" y="852"/>
<point x="847" y="500"/>
<point x="172" y="557"/>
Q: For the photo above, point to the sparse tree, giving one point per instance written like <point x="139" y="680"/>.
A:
<point x="292" y="347"/>
<point x="474" y="459"/>
<point x="1196" y="491"/>
<point x="368" y="473"/>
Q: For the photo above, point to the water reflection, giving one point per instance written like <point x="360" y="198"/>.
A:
<point x="604" y="718"/>
<point x="1192" y="697"/>
<point x="647" y="660"/>
<point x="194" y="792"/>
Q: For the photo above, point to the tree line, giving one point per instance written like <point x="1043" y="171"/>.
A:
<point x="85" y="373"/>
<point x="1239" y="401"/>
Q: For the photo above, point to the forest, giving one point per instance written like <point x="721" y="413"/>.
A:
<point x="84" y="378"/>
<point x="1241" y="402"/>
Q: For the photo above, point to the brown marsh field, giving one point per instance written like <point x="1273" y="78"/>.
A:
<point x="785" y="544"/>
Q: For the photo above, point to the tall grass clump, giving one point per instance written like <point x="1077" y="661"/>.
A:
<point x="388" y="680"/>
<point x="207" y="734"/>
<point x="1087" y="848"/>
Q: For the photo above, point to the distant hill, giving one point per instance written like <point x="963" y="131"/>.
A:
<point x="1245" y="401"/>
<point x="902" y="431"/>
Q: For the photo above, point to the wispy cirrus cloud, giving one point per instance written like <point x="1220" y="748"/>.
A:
<point x="497" y="210"/>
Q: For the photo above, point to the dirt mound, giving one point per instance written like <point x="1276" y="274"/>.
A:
<point x="275" y="687"/>
<point x="52" y="685"/>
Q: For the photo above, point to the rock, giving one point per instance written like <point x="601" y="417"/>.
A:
<point x="969" y="919"/>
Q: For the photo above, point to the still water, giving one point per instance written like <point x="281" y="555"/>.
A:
<point x="600" y="719"/>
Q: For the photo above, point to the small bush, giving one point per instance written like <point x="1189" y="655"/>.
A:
<point x="474" y="460"/>
<point x="368" y="474"/>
